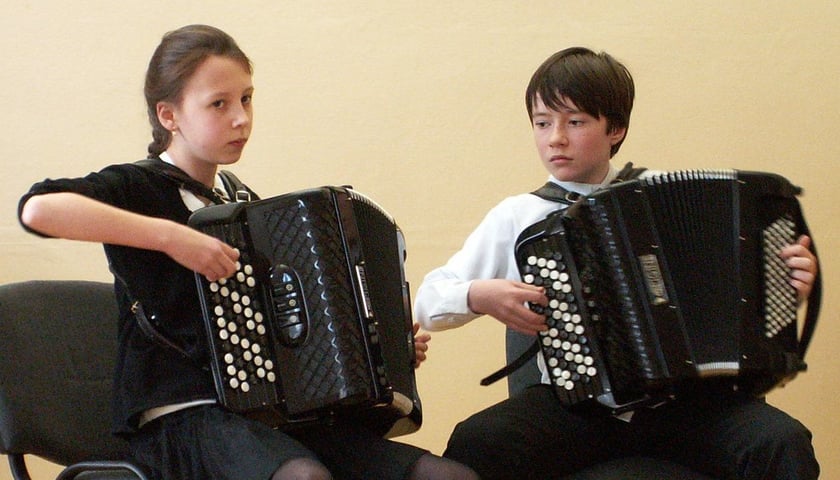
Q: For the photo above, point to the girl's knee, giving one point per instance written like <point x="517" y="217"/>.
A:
<point x="302" y="469"/>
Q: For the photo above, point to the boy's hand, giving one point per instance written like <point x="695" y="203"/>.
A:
<point x="505" y="301"/>
<point x="202" y="253"/>
<point x="421" y="345"/>
<point x="803" y="266"/>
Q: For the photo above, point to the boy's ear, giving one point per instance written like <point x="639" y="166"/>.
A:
<point x="166" y="115"/>
<point x="617" y="135"/>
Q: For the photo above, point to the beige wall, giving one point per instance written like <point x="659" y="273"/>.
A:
<point x="421" y="108"/>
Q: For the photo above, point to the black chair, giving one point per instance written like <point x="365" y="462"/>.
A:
<point x="636" y="468"/>
<point x="57" y="354"/>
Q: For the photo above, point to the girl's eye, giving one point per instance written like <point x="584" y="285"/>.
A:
<point x="218" y="104"/>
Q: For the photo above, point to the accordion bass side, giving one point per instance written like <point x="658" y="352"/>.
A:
<point x="662" y="282"/>
<point x="316" y="323"/>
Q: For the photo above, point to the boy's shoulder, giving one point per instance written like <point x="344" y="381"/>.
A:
<point x="521" y="208"/>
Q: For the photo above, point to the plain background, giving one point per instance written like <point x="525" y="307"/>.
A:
<point x="420" y="106"/>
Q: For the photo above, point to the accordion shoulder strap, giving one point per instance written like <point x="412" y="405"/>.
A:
<point x="149" y="330"/>
<point x="556" y="193"/>
<point x="236" y="189"/>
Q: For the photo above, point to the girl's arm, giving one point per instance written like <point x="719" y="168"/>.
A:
<point x="76" y="217"/>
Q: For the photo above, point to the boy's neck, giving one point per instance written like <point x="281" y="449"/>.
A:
<point x="587" y="188"/>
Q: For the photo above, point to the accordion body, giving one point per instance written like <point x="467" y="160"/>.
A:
<point x="659" y="283"/>
<point x="316" y="323"/>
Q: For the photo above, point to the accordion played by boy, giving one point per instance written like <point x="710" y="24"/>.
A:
<point x="316" y="323"/>
<point x="666" y="281"/>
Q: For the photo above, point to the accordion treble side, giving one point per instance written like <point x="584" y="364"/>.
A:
<point x="666" y="280"/>
<point x="316" y="322"/>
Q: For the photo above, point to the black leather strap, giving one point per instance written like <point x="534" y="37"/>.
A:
<point x="556" y="193"/>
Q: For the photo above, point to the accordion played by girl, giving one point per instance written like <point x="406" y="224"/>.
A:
<point x="316" y="322"/>
<point x="668" y="280"/>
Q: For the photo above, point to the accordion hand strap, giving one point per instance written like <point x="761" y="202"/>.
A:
<point x="814" y="302"/>
<point x="512" y="366"/>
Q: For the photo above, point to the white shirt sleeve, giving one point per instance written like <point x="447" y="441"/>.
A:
<point x="488" y="252"/>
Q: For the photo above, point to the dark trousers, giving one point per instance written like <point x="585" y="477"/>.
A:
<point x="531" y="436"/>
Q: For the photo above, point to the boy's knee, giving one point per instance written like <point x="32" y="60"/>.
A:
<point x="785" y="453"/>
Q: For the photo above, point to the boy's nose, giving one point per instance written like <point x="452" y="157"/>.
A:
<point x="558" y="136"/>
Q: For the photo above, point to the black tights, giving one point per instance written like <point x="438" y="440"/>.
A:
<point x="428" y="467"/>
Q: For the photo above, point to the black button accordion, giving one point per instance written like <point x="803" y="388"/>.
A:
<point x="316" y="323"/>
<point x="665" y="281"/>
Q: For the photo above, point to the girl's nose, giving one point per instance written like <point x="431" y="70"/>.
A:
<point x="242" y="117"/>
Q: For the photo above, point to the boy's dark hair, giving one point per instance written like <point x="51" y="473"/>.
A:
<point x="596" y="83"/>
<point x="177" y="57"/>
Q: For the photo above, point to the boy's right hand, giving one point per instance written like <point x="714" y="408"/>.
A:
<point x="202" y="253"/>
<point x="505" y="300"/>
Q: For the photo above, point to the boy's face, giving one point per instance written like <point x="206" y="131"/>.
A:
<point x="574" y="146"/>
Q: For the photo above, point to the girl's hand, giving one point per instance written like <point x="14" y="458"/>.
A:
<point x="202" y="253"/>
<point x="421" y="345"/>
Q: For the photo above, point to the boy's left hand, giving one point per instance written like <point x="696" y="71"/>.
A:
<point x="803" y="264"/>
<point x="421" y="345"/>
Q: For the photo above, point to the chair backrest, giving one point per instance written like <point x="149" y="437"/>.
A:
<point x="57" y="352"/>
<point x="515" y="344"/>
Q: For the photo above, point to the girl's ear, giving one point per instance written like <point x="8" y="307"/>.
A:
<point x="166" y="115"/>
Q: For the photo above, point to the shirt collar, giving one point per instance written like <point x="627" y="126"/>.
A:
<point x="587" y="188"/>
<point x="191" y="201"/>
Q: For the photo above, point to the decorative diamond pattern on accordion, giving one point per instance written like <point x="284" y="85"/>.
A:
<point x="331" y="365"/>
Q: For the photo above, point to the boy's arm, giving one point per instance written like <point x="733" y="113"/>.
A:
<point x="506" y="301"/>
<point x="76" y="217"/>
<point x="803" y="264"/>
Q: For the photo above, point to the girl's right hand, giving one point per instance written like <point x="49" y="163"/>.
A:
<point x="202" y="253"/>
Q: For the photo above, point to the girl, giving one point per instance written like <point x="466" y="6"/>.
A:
<point x="198" y="92"/>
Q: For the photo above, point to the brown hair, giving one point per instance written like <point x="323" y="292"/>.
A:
<point x="177" y="57"/>
<point x="596" y="82"/>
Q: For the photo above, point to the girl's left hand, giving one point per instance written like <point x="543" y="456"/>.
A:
<point x="421" y="345"/>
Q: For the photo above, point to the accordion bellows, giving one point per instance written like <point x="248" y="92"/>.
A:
<point x="667" y="280"/>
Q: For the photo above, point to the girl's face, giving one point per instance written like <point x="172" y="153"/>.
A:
<point x="212" y="121"/>
<point x="574" y="146"/>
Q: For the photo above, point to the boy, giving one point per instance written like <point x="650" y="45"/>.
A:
<point x="579" y="103"/>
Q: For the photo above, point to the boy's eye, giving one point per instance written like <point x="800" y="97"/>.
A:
<point x="246" y="99"/>
<point x="540" y="124"/>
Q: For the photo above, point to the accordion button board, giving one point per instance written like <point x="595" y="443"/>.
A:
<point x="569" y="346"/>
<point x="245" y="353"/>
